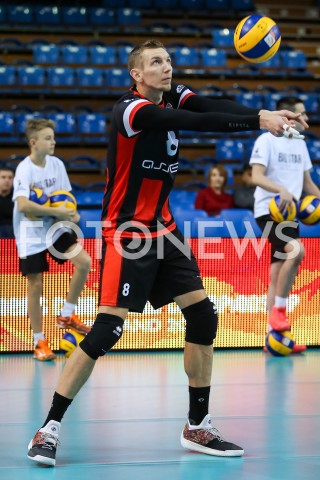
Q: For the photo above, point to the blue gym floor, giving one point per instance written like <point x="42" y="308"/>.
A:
<point x="126" y="422"/>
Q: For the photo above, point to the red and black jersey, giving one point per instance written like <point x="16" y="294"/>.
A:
<point x="142" y="156"/>
<point x="141" y="166"/>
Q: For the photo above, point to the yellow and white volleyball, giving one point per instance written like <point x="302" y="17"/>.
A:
<point x="309" y="210"/>
<point x="278" y="215"/>
<point x="37" y="195"/>
<point x="60" y="196"/>
<point x="257" y="38"/>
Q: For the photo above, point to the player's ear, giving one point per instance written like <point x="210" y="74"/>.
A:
<point x="136" y="74"/>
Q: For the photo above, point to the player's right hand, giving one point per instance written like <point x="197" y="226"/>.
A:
<point x="64" y="213"/>
<point x="286" y="198"/>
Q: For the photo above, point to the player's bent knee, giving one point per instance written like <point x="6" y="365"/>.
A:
<point x="106" y="331"/>
<point x="201" y="322"/>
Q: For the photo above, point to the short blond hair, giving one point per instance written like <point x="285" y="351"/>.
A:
<point x="34" y="125"/>
<point x="139" y="49"/>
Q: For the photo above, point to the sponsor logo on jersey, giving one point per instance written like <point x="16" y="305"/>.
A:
<point x="180" y="88"/>
<point x="162" y="166"/>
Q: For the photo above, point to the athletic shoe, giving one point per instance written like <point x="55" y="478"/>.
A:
<point x="43" y="352"/>
<point x="204" y="438"/>
<point x="43" y="447"/>
<point x="72" y="322"/>
<point x="278" y="319"/>
<point x="299" y="348"/>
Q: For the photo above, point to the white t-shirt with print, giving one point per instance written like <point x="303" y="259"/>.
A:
<point x="285" y="160"/>
<point x="31" y="235"/>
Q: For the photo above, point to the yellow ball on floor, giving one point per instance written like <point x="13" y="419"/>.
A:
<point x="279" y="344"/>
<point x="60" y="196"/>
<point x="69" y="342"/>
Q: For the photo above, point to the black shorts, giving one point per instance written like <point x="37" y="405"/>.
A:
<point x="129" y="283"/>
<point x="278" y="244"/>
<point x="38" y="262"/>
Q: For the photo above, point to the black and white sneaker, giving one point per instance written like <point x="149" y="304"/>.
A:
<point x="204" y="438"/>
<point x="43" y="446"/>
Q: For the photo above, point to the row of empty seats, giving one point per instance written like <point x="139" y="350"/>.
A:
<point x="183" y="56"/>
<point x="61" y="79"/>
<point x="232" y="223"/>
<point x="121" y="12"/>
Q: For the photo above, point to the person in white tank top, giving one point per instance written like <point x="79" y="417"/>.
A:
<point x="281" y="166"/>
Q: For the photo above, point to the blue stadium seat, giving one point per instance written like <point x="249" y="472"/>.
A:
<point x="84" y="162"/>
<point x="114" y="3"/>
<point x="241" y="220"/>
<point x="250" y="99"/>
<point x="271" y="99"/>
<point x="311" y="102"/>
<point x="3" y="14"/>
<point x="100" y="55"/>
<point x="165" y="4"/>
<point x="74" y="15"/>
<point x="188" y="28"/>
<point x="47" y="15"/>
<point x="7" y="126"/>
<point x="89" y="79"/>
<point x="128" y="16"/>
<point x="314" y="149"/>
<point x="87" y="216"/>
<point x="87" y="198"/>
<point x="212" y="57"/>
<point x="46" y="54"/>
<point x="92" y="127"/>
<point x="117" y="77"/>
<point x="315" y="173"/>
<point x="123" y="54"/>
<point x="31" y="78"/>
<point x="217" y="4"/>
<point x="20" y="14"/>
<point x="229" y="150"/>
<point x="140" y="3"/>
<point x="294" y="59"/>
<point x="222" y="37"/>
<point x="101" y="16"/>
<point x="8" y="78"/>
<point x="192" y="4"/>
<point x="186" y="57"/>
<point x="242" y="5"/>
<point x="61" y="79"/>
<point x="65" y="126"/>
<point x="96" y="186"/>
<point x="273" y="62"/>
<point x="72" y="54"/>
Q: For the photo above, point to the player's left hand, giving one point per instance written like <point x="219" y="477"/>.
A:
<point x="294" y="117"/>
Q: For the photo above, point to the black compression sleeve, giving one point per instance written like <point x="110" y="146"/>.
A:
<point x="197" y="103"/>
<point x="152" y="117"/>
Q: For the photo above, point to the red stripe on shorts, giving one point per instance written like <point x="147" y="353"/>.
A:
<point x="110" y="275"/>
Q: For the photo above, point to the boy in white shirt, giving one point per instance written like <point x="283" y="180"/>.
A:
<point x="281" y="166"/>
<point x="42" y="170"/>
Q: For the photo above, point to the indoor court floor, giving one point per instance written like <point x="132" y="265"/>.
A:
<point x="125" y="424"/>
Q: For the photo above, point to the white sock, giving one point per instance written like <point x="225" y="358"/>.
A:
<point x="68" y="309"/>
<point x="38" y="336"/>
<point x="280" y="302"/>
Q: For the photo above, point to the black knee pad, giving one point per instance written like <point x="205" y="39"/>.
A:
<point x="201" y="322"/>
<point x="106" y="331"/>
